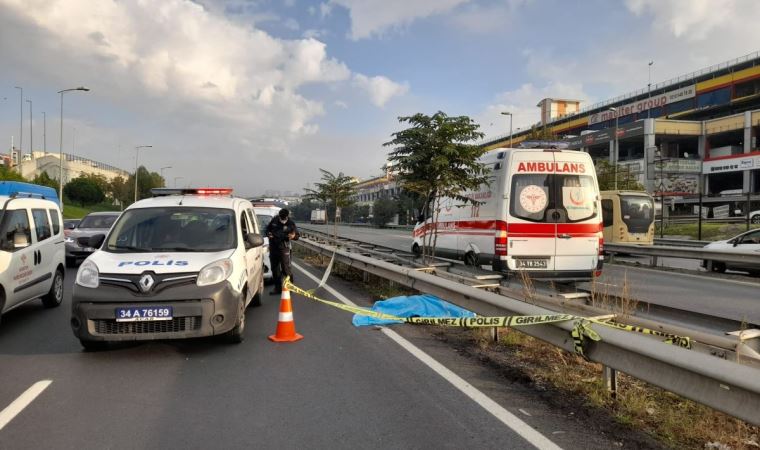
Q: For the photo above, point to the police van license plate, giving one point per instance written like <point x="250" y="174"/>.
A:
<point x="531" y="263"/>
<point x="143" y="313"/>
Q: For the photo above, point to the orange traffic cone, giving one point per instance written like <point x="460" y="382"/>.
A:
<point x="286" y="328"/>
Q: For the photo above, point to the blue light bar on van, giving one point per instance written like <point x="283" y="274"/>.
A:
<point x="161" y="192"/>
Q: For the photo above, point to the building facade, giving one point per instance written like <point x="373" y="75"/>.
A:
<point x="695" y="133"/>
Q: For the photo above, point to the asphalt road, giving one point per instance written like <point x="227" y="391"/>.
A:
<point x="340" y="387"/>
<point x="703" y="293"/>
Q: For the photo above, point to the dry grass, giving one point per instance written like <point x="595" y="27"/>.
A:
<point x="675" y="421"/>
<point x="616" y="301"/>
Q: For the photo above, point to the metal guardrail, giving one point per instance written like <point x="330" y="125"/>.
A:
<point x="667" y="251"/>
<point x="723" y="385"/>
<point x="680" y="242"/>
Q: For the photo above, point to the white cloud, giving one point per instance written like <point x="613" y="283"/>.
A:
<point x="380" y="88"/>
<point x="693" y="19"/>
<point x="340" y="104"/>
<point x="373" y="17"/>
<point x="212" y="95"/>
<point x="521" y="102"/>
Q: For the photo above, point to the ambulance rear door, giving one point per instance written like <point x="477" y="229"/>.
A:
<point x="579" y="222"/>
<point x="530" y="230"/>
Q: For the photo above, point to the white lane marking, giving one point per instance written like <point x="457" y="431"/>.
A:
<point x="524" y="412"/>
<point x="22" y="402"/>
<point x="507" y="418"/>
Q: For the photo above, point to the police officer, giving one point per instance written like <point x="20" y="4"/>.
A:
<point x="280" y="231"/>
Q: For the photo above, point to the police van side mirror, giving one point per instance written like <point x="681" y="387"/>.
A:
<point x="254" y="240"/>
<point x="96" y="240"/>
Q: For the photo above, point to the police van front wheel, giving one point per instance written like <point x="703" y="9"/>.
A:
<point x="235" y="335"/>
<point x="54" y="297"/>
<point x="416" y="250"/>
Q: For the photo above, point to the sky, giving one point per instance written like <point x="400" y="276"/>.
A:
<point x="259" y="94"/>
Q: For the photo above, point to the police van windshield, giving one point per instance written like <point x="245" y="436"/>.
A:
<point x="553" y="198"/>
<point x="173" y="230"/>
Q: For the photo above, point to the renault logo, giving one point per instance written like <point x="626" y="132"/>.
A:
<point x="146" y="282"/>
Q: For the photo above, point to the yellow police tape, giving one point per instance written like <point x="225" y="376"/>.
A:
<point x="581" y="328"/>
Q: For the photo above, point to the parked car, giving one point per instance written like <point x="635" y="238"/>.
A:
<point x="748" y="242"/>
<point x="78" y="239"/>
<point x="70" y="224"/>
<point x="754" y="216"/>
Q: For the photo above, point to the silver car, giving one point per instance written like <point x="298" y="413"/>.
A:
<point x="78" y="239"/>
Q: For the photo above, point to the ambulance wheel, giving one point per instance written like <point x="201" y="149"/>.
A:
<point x="470" y="259"/>
<point x="235" y="335"/>
<point x="54" y="297"/>
<point x="416" y="250"/>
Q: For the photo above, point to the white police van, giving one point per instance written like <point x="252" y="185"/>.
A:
<point x="185" y="263"/>
<point x="31" y="246"/>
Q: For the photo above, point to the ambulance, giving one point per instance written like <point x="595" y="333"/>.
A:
<point x="185" y="263"/>
<point x="540" y="214"/>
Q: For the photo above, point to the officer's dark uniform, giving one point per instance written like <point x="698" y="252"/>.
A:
<point x="279" y="249"/>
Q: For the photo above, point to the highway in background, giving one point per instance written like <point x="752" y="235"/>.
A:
<point x="700" y="292"/>
<point x="340" y="387"/>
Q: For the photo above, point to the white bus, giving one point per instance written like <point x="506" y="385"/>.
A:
<point x="540" y="213"/>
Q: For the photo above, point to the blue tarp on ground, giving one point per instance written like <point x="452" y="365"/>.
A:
<point x="412" y="306"/>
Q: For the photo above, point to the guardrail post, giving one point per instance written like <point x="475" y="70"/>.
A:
<point x="654" y="261"/>
<point x="609" y="376"/>
<point x="495" y="334"/>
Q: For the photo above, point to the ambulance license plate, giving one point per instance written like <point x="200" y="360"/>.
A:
<point x="143" y="313"/>
<point x="531" y="263"/>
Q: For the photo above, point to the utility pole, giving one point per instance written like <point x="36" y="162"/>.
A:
<point x="21" y="124"/>
<point x="31" y="132"/>
<point x="44" y="132"/>
<point x="649" y="89"/>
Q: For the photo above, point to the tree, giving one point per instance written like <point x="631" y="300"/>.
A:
<point x="145" y="182"/>
<point x="8" y="174"/>
<point x="43" y="179"/>
<point x="435" y="159"/>
<point x="120" y="191"/>
<point x="383" y="211"/>
<point x="606" y="174"/>
<point x="335" y="190"/>
<point x="84" y="191"/>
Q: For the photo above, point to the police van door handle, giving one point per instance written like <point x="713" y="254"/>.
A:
<point x="564" y="236"/>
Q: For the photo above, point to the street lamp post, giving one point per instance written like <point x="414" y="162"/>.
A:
<point x="505" y="113"/>
<point x="175" y="180"/>
<point x="44" y="132"/>
<point x="31" y="130"/>
<point x="137" y="155"/>
<point x="162" y="173"/>
<point x="21" y="124"/>
<point x="649" y="89"/>
<point x="615" y="151"/>
<point x="60" y="143"/>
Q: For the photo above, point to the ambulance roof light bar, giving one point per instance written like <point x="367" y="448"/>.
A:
<point x="162" y="192"/>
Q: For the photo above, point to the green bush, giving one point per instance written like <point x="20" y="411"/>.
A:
<point x="84" y="191"/>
